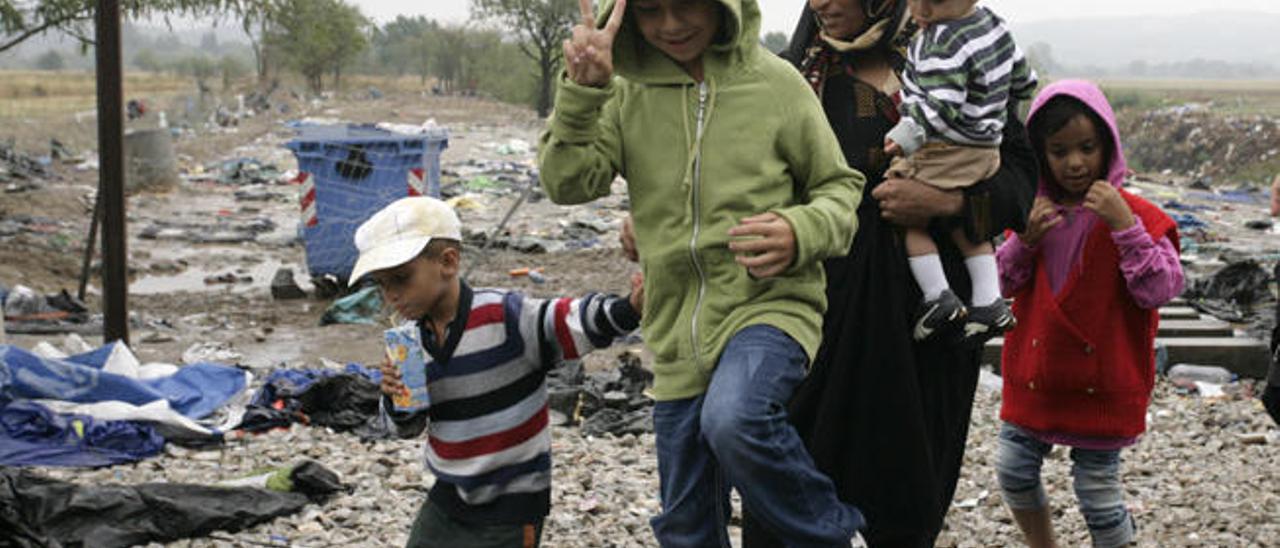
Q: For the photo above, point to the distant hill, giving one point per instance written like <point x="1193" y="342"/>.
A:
<point x="1179" y="43"/>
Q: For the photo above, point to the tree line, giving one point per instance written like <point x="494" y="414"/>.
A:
<point x="509" y="49"/>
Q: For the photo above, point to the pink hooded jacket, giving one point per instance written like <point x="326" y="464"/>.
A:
<point x="1151" y="269"/>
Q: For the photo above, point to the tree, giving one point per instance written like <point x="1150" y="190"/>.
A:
<point x="1040" y="55"/>
<point x="542" y="25"/>
<point x="257" y="21"/>
<point x="50" y="60"/>
<point x="23" y="19"/>
<point x="317" y="37"/>
<point x="198" y="66"/>
<point x="404" y="45"/>
<point x="147" y="60"/>
<point x="775" y="42"/>
<point x="449" y="56"/>
<point x="232" y="69"/>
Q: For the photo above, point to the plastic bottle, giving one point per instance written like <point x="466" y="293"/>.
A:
<point x="1203" y="373"/>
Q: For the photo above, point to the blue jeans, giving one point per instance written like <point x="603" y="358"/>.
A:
<point x="737" y="435"/>
<point x="1095" y="476"/>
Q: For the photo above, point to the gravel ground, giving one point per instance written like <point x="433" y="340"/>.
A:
<point x="1192" y="481"/>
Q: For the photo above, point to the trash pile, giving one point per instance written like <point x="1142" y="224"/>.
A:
<point x="1195" y="140"/>
<point x="1235" y="293"/>
<point x="343" y="400"/>
<point x="612" y="401"/>
<point x="240" y="171"/>
<point x="26" y="311"/>
<point x="223" y="230"/>
<point x="20" y="172"/>
<point x="53" y="234"/>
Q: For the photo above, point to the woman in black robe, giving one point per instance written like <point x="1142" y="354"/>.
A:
<point x="885" y="416"/>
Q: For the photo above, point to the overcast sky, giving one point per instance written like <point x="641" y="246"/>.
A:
<point x="780" y="15"/>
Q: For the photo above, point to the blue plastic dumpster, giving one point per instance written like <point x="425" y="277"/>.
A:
<point x="348" y="173"/>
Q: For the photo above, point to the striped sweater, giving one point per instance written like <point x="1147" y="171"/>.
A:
<point x="959" y="79"/>
<point x="488" y="441"/>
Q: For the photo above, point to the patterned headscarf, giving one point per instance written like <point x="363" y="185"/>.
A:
<point x="816" y="54"/>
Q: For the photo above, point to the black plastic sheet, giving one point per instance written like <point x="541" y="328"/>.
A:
<point x="40" y="511"/>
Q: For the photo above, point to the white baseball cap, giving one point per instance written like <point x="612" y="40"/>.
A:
<point x="400" y="231"/>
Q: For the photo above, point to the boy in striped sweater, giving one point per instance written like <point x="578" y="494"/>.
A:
<point x="487" y="353"/>
<point x="963" y="72"/>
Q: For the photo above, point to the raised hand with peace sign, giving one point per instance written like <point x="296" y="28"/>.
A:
<point x="588" y="55"/>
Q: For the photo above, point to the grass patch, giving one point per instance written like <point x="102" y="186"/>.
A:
<point x="1229" y="97"/>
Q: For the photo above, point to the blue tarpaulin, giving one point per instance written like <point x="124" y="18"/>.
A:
<point x="194" y="391"/>
<point x="102" y="407"/>
<point x="31" y="434"/>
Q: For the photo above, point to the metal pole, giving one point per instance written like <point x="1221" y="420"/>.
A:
<point x="90" y="244"/>
<point x="482" y="254"/>
<point x="115" y="304"/>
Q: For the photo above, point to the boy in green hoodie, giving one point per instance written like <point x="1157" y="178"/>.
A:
<point x="738" y="189"/>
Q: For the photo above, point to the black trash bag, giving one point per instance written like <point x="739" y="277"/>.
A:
<point x="315" y="481"/>
<point x="1232" y="292"/>
<point x="617" y="422"/>
<point x="342" y="402"/>
<point x="40" y="511"/>
<point x="260" y="419"/>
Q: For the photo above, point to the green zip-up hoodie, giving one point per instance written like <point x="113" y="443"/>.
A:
<point x="765" y="145"/>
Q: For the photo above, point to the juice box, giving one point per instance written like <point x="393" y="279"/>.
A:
<point x="404" y="349"/>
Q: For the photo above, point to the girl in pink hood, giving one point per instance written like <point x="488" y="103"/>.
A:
<point x="1088" y="275"/>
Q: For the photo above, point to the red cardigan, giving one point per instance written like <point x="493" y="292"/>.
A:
<point x="1083" y="362"/>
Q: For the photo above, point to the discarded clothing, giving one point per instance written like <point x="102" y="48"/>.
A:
<point x="342" y="400"/>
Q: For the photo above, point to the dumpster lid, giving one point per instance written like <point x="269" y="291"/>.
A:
<point x="359" y="133"/>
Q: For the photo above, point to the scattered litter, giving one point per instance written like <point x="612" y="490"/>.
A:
<point x="227" y="278"/>
<point x="974" y="501"/>
<point x="1231" y="293"/>
<point x="1259" y="224"/>
<point x="989" y="380"/>
<point x="28" y="312"/>
<point x="1259" y="438"/>
<point x="210" y="352"/>
<point x="283" y="286"/>
<point x="1201" y="373"/>
<point x="362" y="307"/>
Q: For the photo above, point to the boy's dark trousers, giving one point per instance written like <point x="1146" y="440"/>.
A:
<point x="434" y="529"/>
